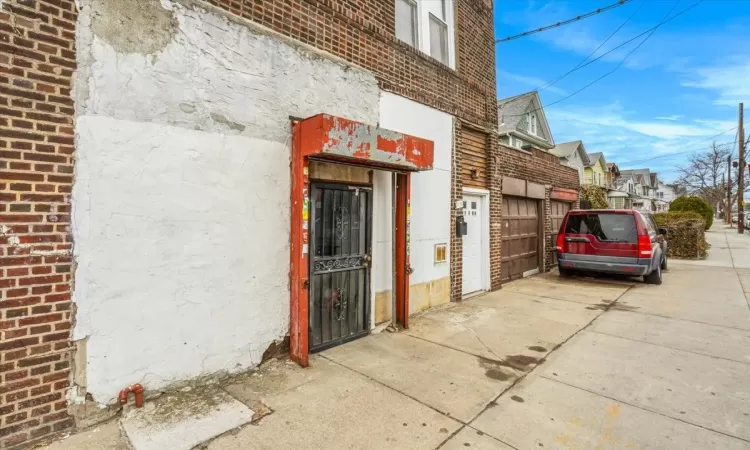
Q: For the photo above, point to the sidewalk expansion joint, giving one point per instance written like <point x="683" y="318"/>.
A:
<point x="522" y="377"/>
<point x="443" y="413"/>
<point x="670" y="348"/>
<point x="736" y="272"/>
<point x="642" y="408"/>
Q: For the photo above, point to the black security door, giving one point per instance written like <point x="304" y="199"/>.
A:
<point x="339" y="264"/>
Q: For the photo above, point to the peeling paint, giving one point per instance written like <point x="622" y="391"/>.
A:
<point x="134" y="26"/>
<point x="342" y="137"/>
<point x="221" y="119"/>
<point x="183" y="160"/>
<point x="187" y="107"/>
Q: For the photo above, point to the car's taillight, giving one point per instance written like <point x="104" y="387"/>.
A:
<point x="644" y="246"/>
<point x="560" y="245"/>
<point x="644" y="240"/>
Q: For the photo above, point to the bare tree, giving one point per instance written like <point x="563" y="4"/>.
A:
<point x="704" y="175"/>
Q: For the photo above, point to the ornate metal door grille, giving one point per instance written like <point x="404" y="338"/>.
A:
<point x="340" y="235"/>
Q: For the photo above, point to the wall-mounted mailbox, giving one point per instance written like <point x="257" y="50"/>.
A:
<point x="462" y="228"/>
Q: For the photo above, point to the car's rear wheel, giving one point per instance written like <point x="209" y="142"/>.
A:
<point x="654" y="277"/>
<point x="664" y="265"/>
<point x="565" y="272"/>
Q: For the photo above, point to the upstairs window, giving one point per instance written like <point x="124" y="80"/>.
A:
<point x="427" y="25"/>
<point x="407" y="23"/>
<point x="438" y="39"/>
<point x="532" y="123"/>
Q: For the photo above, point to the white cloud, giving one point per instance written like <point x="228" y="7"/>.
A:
<point x="531" y="81"/>
<point x="629" y="140"/>
<point x="728" y="81"/>
<point x="673" y="117"/>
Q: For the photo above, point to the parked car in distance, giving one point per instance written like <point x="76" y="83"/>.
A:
<point x="624" y="242"/>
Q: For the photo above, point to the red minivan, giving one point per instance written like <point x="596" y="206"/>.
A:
<point x="624" y="242"/>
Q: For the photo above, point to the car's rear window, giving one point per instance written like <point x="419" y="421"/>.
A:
<point x="605" y="226"/>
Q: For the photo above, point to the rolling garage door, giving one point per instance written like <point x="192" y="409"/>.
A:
<point x="520" y="237"/>
<point x="559" y="209"/>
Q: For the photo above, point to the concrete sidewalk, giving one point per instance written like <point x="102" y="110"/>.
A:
<point x="543" y="363"/>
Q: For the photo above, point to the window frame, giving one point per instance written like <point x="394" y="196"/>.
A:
<point x="532" y="124"/>
<point x="415" y="18"/>
<point x="443" y="23"/>
<point x="446" y="8"/>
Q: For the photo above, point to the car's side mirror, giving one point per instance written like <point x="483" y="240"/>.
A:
<point x="663" y="232"/>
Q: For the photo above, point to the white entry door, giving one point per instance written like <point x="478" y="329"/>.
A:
<point x="472" y="245"/>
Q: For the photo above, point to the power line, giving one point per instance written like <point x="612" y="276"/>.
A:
<point x="633" y="38"/>
<point x="683" y="152"/>
<point x="565" y="22"/>
<point x="580" y="64"/>
<point x="626" y="56"/>
<point x="652" y="31"/>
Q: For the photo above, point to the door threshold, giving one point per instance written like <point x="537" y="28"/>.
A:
<point x="473" y="294"/>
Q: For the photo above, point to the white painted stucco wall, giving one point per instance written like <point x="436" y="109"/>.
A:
<point x="181" y="199"/>
<point x="430" y="193"/>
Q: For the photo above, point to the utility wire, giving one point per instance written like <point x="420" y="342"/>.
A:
<point x="626" y="56"/>
<point x="651" y="30"/>
<point x="581" y="64"/>
<point x="634" y="38"/>
<point x="683" y="152"/>
<point x="564" y="22"/>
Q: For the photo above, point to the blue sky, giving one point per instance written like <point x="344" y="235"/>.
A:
<point x="680" y="88"/>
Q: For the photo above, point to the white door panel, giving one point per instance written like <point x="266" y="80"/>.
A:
<point x="472" y="245"/>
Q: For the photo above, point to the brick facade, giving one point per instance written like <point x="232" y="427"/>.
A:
<point x="539" y="167"/>
<point x="37" y="61"/>
<point x="536" y="166"/>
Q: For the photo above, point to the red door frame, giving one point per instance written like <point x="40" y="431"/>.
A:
<point x="336" y="139"/>
<point x="403" y="211"/>
<point x="298" y="265"/>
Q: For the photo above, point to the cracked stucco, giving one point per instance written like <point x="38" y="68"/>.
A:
<point x="133" y="26"/>
<point x="181" y="198"/>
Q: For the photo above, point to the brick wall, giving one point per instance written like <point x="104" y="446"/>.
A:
<point x="456" y="251"/>
<point x="362" y="32"/>
<point x="537" y="166"/>
<point x="37" y="60"/>
<point x="543" y="168"/>
<point x="496" y="214"/>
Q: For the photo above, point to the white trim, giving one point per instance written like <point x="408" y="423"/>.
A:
<point x="475" y="191"/>
<point x="423" y="15"/>
<point x="540" y="142"/>
<point x="543" y="118"/>
<point x="484" y="194"/>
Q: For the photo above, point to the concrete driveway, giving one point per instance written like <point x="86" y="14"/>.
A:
<point x="543" y="363"/>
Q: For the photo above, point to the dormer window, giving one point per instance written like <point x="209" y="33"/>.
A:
<point x="531" y="118"/>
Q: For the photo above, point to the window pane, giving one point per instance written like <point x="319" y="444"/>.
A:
<point x="406" y="21"/>
<point x="438" y="39"/>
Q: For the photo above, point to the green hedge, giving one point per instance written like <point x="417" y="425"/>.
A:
<point x="669" y="217"/>
<point x="686" y="234"/>
<point x="695" y="204"/>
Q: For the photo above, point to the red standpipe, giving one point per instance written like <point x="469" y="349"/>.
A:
<point x="136" y="389"/>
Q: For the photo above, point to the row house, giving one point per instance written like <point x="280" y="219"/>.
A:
<point x="189" y="184"/>
<point x="625" y="189"/>
<point x="537" y="191"/>
<point x="644" y="190"/>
